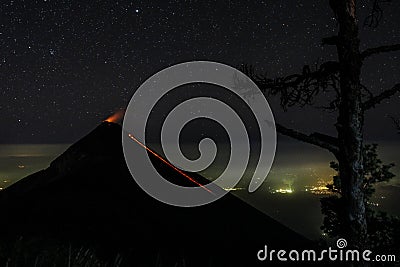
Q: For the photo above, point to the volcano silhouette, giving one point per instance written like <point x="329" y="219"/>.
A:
<point x="87" y="195"/>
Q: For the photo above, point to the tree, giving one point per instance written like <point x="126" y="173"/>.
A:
<point x="383" y="230"/>
<point x="351" y="100"/>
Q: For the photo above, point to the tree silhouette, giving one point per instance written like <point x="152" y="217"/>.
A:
<point x="383" y="230"/>
<point x="350" y="99"/>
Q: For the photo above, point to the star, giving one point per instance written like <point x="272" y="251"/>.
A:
<point x="54" y="51"/>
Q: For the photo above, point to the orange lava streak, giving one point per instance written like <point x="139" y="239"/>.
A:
<point x="169" y="164"/>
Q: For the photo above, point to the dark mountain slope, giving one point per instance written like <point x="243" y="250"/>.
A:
<point x="87" y="196"/>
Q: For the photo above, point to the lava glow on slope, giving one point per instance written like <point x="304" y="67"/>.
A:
<point x="116" y="117"/>
<point x="169" y="164"/>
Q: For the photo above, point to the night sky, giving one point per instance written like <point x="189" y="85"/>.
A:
<point x="67" y="65"/>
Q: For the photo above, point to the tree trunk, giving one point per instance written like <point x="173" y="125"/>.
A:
<point x="350" y="123"/>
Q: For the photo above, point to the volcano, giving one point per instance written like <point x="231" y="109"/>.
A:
<point x="87" y="196"/>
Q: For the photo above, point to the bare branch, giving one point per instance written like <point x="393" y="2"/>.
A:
<point x="396" y="123"/>
<point x="376" y="14"/>
<point x="382" y="96"/>
<point x="324" y="141"/>
<point x="380" y="49"/>
<point x="298" y="89"/>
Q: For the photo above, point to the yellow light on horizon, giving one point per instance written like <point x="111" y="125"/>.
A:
<point x="284" y="191"/>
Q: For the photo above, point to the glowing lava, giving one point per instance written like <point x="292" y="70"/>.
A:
<point x="116" y="117"/>
<point x="169" y="164"/>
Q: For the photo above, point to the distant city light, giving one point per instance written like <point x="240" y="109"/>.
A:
<point x="319" y="189"/>
<point x="284" y="191"/>
<point x="373" y="204"/>
<point x="233" y="189"/>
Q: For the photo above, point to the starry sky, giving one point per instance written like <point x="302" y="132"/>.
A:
<point x="67" y="65"/>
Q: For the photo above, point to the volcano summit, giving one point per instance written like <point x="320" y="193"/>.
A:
<point x="87" y="197"/>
